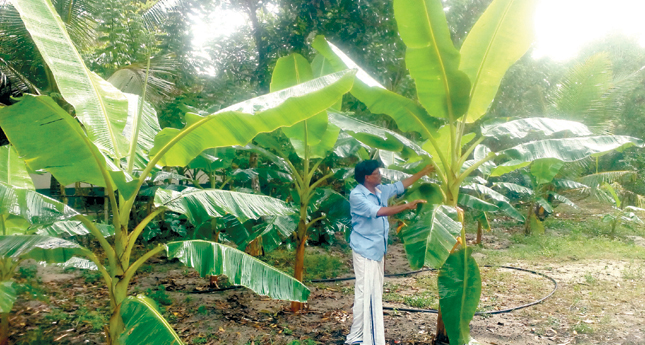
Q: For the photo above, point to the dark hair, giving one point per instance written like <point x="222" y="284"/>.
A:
<point x="365" y="168"/>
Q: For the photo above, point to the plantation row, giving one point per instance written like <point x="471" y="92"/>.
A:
<point x="301" y="145"/>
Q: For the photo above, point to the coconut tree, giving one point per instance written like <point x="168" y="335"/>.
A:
<point x="457" y="87"/>
<point x="101" y="154"/>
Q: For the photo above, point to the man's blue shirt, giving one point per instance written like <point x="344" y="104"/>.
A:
<point x="369" y="232"/>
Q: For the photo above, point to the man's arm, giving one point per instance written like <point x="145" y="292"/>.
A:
<point x="392" y="210"/>
<point x="414" y="178"/>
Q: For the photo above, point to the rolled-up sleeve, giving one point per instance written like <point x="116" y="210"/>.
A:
<point x="363" y="207"/>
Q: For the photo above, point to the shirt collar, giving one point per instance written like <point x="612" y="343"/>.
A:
<point x="366" y="191"/>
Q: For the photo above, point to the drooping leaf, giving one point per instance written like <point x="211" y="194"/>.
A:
<point x="373" y="136"/>
<point x="32" y="206"/>
<point x="431" y="58"/>
<point x="429" y="240"/>
<point x="200" y="205"/>
<point x="34" y="123"/>
<point x="514" y="187"/>
<point x="499" y="200"/>
<point x="273" y="232"/>
<point x="322" y="67"/>
<point x="498" y="39"/>
<point x="459" y="292"/>
<point x="101" y="107"/>
<point x="7" y="296"/>
<point x="239" y="123"/>
<point x="321" y="149"/>
<point x="275" y="159"/>
<point x="74" y="228"/>
<point x="13" y="170"/>
<point x="144" y="129"/>
<point x="561" y="198"/>
<point x="566" y="150"/>
<point x="481" y="152"/>
<point x="210" y="258"/>
<point x="475" y="203"/>
<point x="40" y="248"/>
<point x="518" y="129"/>
<point x="545" y="205"/>
<point x="568" y="184"/>
<point x="213" y="159"/>
<point x="409" y="116"/>
<point x="595" y="180"/>
<point x="347" y="146"/>
<point x="144" y="323"/>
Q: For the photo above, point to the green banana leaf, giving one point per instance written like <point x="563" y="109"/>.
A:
<point x="597" y="179"/>
<point x="14" y="225"/>
<point x="144" y="323"/>
<point x="563" y="199"/>
<point x="566" y="150"/>
<point x="431" y="58"/>
<point x="34" y="123"/>
<point x="482" y="217"/>
<point x="475" y="203"/>
<point x="545" y="204"/>
<point x="101" y="107"/>
<point x="167" y="175"/>
<point x="481" y="152"/>
<point x="200" y="205"/>
<point x="239" y="123"/>
<point x="347" y="146"/>
<point x="13" y="170"/>
<point x="144" y="130"/>
<point x="460" y="288"/>
<point x="374" y="136"/>
<point x="74" y="228"/>
<point x="498" y="39"/>
<point x="210" y="258"/>
<point x="514" y="187"/>
<point x="429" y="240"/>
<point x="32" y="206"/>
<point x="7" y="296"/>
<point x="272" y="231"/>
<point x="519" y="129"/>
<point x="40" y="248"/>
<point x="442" y="138"/>
<point x="500" y="201"/>
<point x="280" y="162"/>
<point x="409" y="116"/>
<point x="568" y="184"/>
<point x="321" y="149"/>
<point x="214" y="159"/>
<point x="544" y="170"/>
<point x="322" y="67"/>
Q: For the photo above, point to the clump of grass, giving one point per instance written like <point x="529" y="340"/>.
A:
<point x="317" y="265"/>
<point x="159" y="295"/>
<point x="27" y="272"/>
<point x="633" y="271"/>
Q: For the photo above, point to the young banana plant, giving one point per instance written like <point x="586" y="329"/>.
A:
<point x="98" y="152"/>
<point x="456" y="87"/>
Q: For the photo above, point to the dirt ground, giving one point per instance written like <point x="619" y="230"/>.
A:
<point x="596" y="303"/>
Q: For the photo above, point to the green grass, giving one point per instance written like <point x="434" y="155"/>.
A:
<point x="317" y="265"/>
<point x="564" y="240"/>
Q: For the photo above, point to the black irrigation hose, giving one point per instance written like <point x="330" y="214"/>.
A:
<point x="434" y="311"/>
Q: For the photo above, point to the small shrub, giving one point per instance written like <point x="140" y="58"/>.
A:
<point x="91" y="276"/>
<point x="583" y="328"/>
<point x="27" y="272"/>
<point x="159" y="295"/>
<point x="202" y="310"/>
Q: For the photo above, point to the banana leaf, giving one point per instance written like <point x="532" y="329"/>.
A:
<point x="34" y="123"/>
<point x="273" y="231"/>
<point x="498" y="39"/>
<point x="32" y="206"/>
<point x="409" y="116"/>
<point x="519" y="129"/>
<point x="200" y="205"/>
<point x="429" y="240"/>
<point x="210" y="258"/>
<point x="7" y="296"/>
<point x="40" y="248"/>
<point x="561" y="198"/>
<point x="544" y="170"/>
<point x="500" y="201"/>
<point x="13" y="170"/>
<point x="239" y="123"/>
<point x="568" y="184"/>
<point x="431" y="58"/>
<point x="144" y="323"/>
<point x="144" y="130"/>
<point x="475" y="203"/>
<point x="514" y="187"/>
<point x="322" y="67"/>
<point x="459" y="292"/>
<point x="566" y="150"/>
<point x="74" y="228"/>
<point x="101" y="107"/>
<point x="374" y="136"/>
<point x="442" y="139"/>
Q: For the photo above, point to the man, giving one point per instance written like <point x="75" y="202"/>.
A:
<point x="368" y="240"/>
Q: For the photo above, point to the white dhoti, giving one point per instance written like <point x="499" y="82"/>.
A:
<point x="367" y="327"/>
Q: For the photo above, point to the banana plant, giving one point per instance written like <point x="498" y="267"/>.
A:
<point x="456" y="87"/>
<point x="99" y="153"/>
<point x="622" y="214"/>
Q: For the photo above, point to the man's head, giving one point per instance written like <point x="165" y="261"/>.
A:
<point x="367" y="171"/>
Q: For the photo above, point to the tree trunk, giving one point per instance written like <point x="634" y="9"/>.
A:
<point x="299" y="269"/>
<point x="441" y="336"/>
<point x="255" y="247"/>
<point x="260" y="45"/>
<point x="4" y="329"/>
<point x="527" y="224"/>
